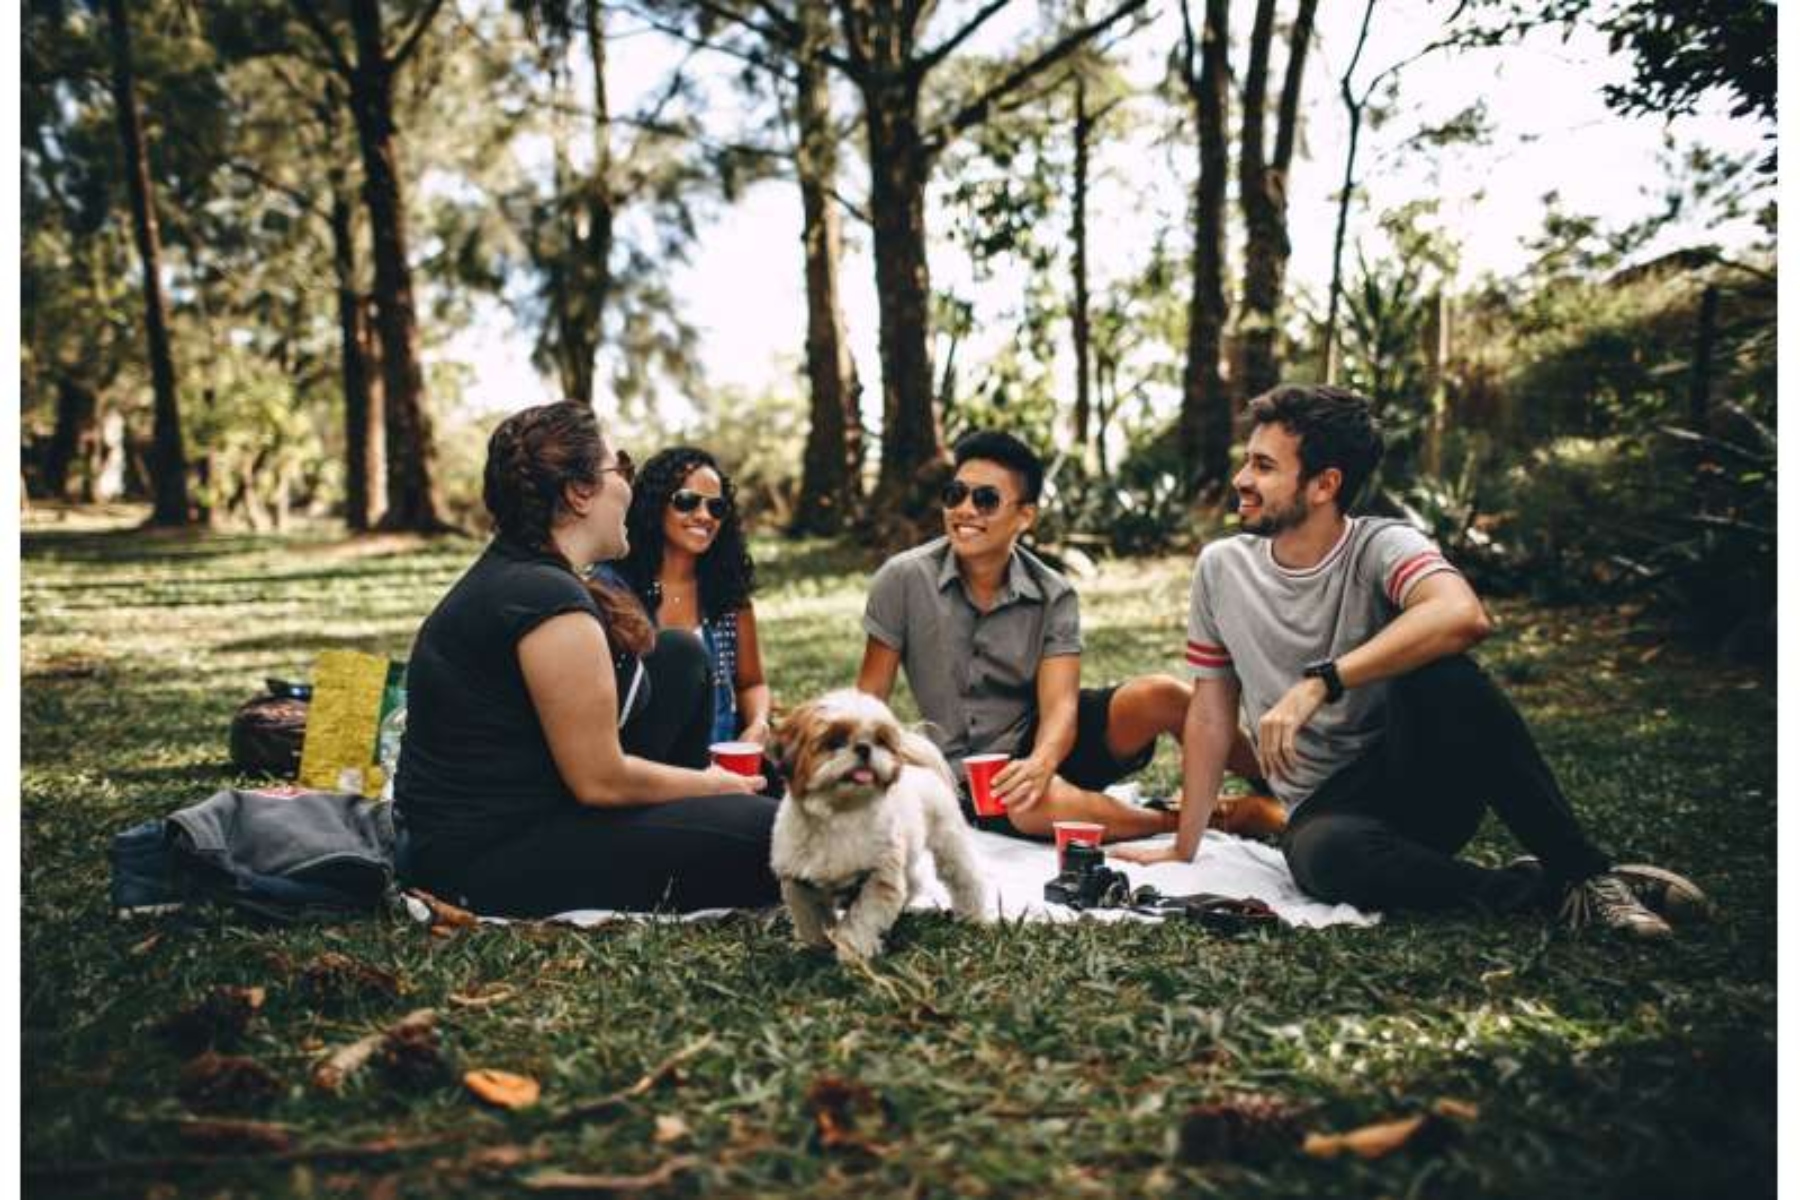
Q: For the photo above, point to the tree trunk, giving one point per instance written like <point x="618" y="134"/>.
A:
<point x="911" y="437"/>
<point x="1354" y="105"/>
<point x="73" y="440"/>
<point x="365" y="475"/>
<point x="831" y="471"/>
<point x="1204" y="431"/>
<point x="1262" y="187"/>
<point x="168" y="460"/>
<point x="411" y="455"/>
<point x="1078" y="319"/>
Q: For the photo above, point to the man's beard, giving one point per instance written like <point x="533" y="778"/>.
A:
<point x="1272" y="521"/>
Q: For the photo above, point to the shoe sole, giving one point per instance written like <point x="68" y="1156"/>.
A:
<point x="1680" y="900"/>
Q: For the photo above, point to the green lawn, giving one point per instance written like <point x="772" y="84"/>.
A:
<point x="1027" y="1061"/>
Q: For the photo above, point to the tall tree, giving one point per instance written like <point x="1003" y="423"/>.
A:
<point x="370" y="75"/>
<point x="1262" y="192"/>
<point x="1203" y="431"/>
<point x="831" y="467"/>
<point x="885" y="57"/>
<point x="168" y="458"/>
<point x="571" y="239"/>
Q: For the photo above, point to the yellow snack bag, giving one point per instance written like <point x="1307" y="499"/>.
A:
<point x="342" y="722"/>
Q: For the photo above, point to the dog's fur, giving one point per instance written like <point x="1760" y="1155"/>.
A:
<point x="866" y="798"/>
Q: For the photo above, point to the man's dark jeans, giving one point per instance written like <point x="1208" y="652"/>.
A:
<point x="1384" y="831"/>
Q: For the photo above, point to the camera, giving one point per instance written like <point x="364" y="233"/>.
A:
<point x="1085" y="881"/>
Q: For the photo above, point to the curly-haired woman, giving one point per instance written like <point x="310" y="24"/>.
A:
<point x="555" y="755"/>
<point x="689" y="565"/>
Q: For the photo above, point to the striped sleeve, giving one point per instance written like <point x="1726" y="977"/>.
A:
<point x="1207" y="656"/>
<point x="1404" y="556"/>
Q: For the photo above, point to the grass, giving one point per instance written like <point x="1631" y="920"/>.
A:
<point x="1030" y="1060"/>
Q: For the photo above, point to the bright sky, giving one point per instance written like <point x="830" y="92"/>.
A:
<point x="745" y="293"/>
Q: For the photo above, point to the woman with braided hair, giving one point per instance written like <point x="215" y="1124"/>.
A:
<point x="689" y="565"/>
<point x="555" y="755"/>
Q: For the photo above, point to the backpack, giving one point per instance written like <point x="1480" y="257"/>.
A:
<point x="267" y="731"/>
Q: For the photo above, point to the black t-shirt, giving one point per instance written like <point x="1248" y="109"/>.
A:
<point x="475" y="767"/>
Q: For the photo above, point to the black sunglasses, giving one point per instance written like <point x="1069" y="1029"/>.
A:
<point x="986" y="496"/>
<point x="687" y="500"/>
<point x="624" y="466"/>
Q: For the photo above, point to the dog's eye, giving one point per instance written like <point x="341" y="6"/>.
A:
<point x="835" y="741"/>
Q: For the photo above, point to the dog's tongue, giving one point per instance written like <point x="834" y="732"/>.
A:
<point x="863" y="775"/>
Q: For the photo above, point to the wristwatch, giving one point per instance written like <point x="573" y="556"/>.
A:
<point x="1326" y="670"/>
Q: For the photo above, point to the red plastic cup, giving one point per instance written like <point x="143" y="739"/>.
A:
<point x="982" y="768"/>
<point x="743" y="757"/>
<point x="1087" y="833"/>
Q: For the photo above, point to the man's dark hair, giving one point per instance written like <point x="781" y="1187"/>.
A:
<point x="994" y="446"/>
<point x="1335" y="428"/>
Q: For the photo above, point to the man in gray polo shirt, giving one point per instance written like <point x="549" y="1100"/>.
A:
<point x="990" y="639"/>
<point x="1341" y="640"/>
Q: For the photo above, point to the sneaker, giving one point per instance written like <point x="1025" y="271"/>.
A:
<point x="1675" y="898"/>
<point x="1607" y="901"/>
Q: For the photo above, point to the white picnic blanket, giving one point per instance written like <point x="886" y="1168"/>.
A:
<point x="1226" y="865"/>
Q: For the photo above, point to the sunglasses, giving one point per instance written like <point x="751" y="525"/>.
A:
<point x="687" y="500"/>
<point x="986" y="496"/>
<point x="624" y="466"/>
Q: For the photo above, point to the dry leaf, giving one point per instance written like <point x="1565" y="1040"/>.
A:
<point x="146" y="946"/>
<point x="225" y="1082"/>
<point x="334" y="978"/>
<point x="411" y="1057"/>
<point x="568" y="1181"/>
<point x="1428" y="1131"/>
<point x="1456" y="1110"/>
<point x="485" y="996"/>
<point x="1248" y="1129"/>
<point x="670" y="1128"/>
<point x="502" y="1088"/>
<point x="843" y="1113"/>
<point x="218" y="1017"/>
<point x="345" y="1061"/>
<point x="242" y="1136"/>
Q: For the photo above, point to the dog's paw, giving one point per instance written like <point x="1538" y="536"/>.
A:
<point x="854" y="948"/>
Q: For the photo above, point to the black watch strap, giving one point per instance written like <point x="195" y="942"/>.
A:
<point x="1327" y="671"/>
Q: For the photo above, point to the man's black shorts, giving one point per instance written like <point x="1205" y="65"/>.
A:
<point x="1089" y="765"/>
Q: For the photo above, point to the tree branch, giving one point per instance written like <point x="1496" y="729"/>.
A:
<point x="931" y="58"/>
<point x="411" y="42"/>
<point x="978" y="110"/>
<point x="308" y="12"/>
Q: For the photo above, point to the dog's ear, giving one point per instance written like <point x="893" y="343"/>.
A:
<point x="784" y="742"/>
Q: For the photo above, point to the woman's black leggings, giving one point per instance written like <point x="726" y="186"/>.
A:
<point x="1384" y="831"/>
<point x="705" y="852"/>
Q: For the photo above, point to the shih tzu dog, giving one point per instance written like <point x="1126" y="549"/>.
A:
<point x="866" y="799"/>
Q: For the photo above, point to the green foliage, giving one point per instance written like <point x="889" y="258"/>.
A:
<point x="1013" y="1059"/>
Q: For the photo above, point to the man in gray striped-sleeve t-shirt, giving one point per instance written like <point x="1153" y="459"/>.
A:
<point x="1339" y="642"/>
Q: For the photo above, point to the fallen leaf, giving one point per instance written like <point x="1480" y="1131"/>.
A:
<point x="842" y="1111"/>
<point x="226" y="1082"/>
<point x="334" y="978"/>
<point x="1456" y="1110"/>
<point x="670" y="1128"/>
<point x="1246" y="1129"/>
<point x="345" y="1061"/>
<point x="502" y="1088"/>
<point x="411" y="1057"/>
<point x="224" y="1134"/>
<point x="568" y="1181"/>
<point x="1427" y="1131"/>
<point x="485" y="996"/>
<point x="220" y="1016"/>
<point x="502" y="1158"/>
